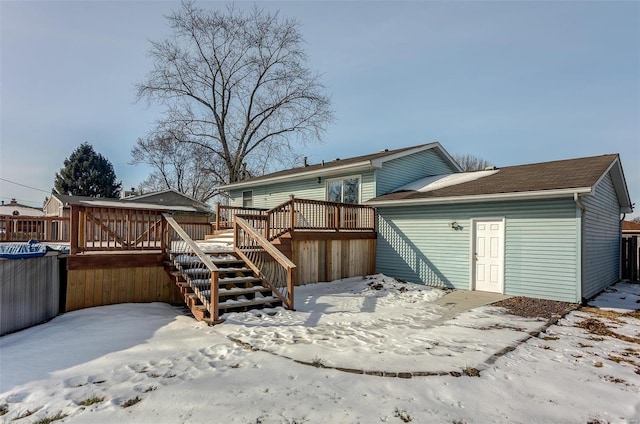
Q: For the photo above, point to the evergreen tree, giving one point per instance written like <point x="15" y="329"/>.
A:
<point x="87" y="173"/>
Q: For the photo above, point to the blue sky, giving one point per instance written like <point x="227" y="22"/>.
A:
<point x="512" y="82"/>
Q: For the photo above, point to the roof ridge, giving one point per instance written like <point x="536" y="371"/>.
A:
<point x="560" y="160"/>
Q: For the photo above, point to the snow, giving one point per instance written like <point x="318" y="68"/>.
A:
<point x="436" y="182"/>
<point x="301" y="366"/>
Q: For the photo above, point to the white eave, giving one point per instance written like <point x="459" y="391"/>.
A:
<point x="542" y="194"/>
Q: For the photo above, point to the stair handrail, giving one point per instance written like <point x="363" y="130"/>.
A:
<point x="206" y="260"/>
<point x="289" y="267"/>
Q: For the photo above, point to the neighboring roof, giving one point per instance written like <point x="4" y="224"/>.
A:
<point x="353" y="164"/>
<point x="169" y="197"/>
<point x="546" y="179"/>
<point x="188" y="206"/>
<point x="96" y="201"/>
<point x="631" y="226"/>
<point x="24" y="210"/>
<point x="66" y="199"/>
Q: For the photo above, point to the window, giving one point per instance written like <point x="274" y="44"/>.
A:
<point x="345" y="190"/>
<point x="247" y="199"/>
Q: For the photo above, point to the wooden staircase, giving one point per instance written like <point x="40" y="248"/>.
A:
<point x="239" y="288"/>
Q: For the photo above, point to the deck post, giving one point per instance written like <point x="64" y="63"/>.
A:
<point x="290" y="285"/>
<point x="217" y="216"/>
<point x="74" y="223"/>
<point x="336" y="217"/>
<point x="213" y="305"/>
<point x="292" y="213"/>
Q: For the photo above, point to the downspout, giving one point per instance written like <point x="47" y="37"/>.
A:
<point x="620" y="225"/>
<point x="583" y="209"/>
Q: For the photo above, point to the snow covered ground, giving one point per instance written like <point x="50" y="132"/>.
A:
<point x="152" y="363"/>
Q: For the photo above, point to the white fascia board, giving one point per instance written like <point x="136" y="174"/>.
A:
<point x="377" y="163"/>
<point x="619" y="184"/>
<point x="542" y="194"/>
<point x="354" y="167"/>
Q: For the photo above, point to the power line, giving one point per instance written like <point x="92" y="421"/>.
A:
<point x="23" y="201"/>
<point x="24" y="185"/>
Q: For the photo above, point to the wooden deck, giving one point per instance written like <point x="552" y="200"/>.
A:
<point x="122" y="255"/>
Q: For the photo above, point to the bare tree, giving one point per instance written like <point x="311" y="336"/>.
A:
<point x="184" y="167"/>
<point x="236" y="84"/>
<point x="471" y="163"/>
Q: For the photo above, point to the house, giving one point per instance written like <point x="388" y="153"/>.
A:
<point x="14" y="208"/>
<point x="547" y="230"/>
<point x="352" y="180"/>
<point x="19" y="225"/>
<point x="630" y="228"/>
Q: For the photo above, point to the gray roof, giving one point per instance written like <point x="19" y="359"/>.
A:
<point x="332" y="166"/>
<point x="184" y="205"/>
<point x="545" y="177"/>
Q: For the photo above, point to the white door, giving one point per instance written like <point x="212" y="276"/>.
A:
<point x="489" y="256"/>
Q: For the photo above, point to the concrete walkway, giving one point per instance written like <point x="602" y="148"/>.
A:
<point x="459" y="301"/>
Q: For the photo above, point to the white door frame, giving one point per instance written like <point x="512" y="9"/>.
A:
<point x="472" y="251"/>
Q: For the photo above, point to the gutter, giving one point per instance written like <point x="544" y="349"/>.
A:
<point x="525" y="195"/>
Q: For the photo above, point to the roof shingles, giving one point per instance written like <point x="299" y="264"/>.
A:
<point x="556" y="175"/>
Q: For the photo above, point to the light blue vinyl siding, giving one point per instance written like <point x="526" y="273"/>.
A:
<point x="270" y="195"/>
<point x="417" y="244"/>
<point x="404" y="170"/>
<point x="601" y="238"/>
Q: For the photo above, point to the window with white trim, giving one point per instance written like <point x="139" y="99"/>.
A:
<point x="344" y="190"/>
<point x="247" y="199"/>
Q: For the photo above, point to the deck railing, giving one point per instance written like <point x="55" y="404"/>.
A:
<point x="225" y="215"/>
<point x="271" y="265"/>
<point x="196" y="266"/>
<point x="304" y="214"/>
<point x="41" y="228"/>
<point x="96" y="228"/>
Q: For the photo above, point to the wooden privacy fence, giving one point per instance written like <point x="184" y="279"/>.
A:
<point x="41" y="228"/>
<point x="630" y="260"/>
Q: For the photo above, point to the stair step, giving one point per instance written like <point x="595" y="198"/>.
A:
<point x="205" y="282"/>
<point x="199" y="312"/>
<point x="229" y="280"/>
<point x="237" y="291"/>
<point x="221" y="260"/>
<point x="234" y="269"/>
<point x="245" y="305"/>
